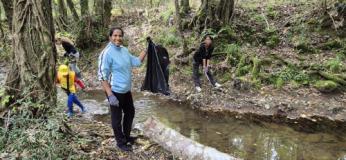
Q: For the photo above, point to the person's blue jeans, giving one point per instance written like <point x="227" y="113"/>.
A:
<point x="72" y="98"/>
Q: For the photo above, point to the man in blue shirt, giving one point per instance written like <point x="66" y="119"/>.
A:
<point x="115" y="73"/>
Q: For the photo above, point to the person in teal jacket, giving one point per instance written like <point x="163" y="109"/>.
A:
<point x="115" y="73"/>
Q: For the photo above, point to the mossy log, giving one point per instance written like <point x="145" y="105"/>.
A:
<point x="333" y="77"/>
<point x="326" y="86"/>
<point x="282" y="60"/>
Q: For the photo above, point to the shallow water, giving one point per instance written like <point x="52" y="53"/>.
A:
<point x="243" y="139"/>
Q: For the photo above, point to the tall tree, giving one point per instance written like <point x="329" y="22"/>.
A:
<point x="103" y="11"/>
<point x="177" y="14"/>
<point x="225" y="10"/>
<point x="84" y="7"/>
<point x="180" y="29"/>
<point x="213" y="14"/>
<point x="2" y="34"/>
<point x="107" y="12"/>
<point x="8" y="7"/>
<point x="32" y="74"/>
<point x="72" y="9"/>
<point x="185" y="6"/>
<point x="62" y="13"/>
<point x="85" y="38"/>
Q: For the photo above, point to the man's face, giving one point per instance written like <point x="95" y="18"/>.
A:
<point x="117" y="37"/>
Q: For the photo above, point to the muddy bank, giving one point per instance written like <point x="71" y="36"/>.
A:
<point x="304" y="109"/>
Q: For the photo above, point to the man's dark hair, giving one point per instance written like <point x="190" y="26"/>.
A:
<point x="206" y="36"/>
<point x="115" y="28"/>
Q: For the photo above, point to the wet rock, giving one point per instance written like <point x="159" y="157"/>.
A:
<point x="267" y="106"/>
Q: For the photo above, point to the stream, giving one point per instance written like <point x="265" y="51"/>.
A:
<point x="240" y="138"/>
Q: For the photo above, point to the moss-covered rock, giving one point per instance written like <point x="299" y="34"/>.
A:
<point x="326" y="86"/>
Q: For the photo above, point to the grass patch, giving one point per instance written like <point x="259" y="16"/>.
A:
<point x="37" y="138"/>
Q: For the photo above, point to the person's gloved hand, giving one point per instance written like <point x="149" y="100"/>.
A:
<point x="113" y="101"/>
<point x="206" y="69"/>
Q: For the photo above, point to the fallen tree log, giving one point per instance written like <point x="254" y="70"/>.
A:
<point x="179" y="145"/>
<point x="332" y="77"/>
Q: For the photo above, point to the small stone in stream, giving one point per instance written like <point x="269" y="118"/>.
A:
<point x="303" y="116"/>
<point x="267" y="106"/>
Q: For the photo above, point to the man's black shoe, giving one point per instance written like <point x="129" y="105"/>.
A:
<point x="131" y="140"/>
<point x="125" y="147"/>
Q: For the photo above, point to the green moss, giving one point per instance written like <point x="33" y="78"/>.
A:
<point x="242" y="69"/>
<point x="302" y="44"/>
<point x="279" y="82"/>
<point x="270" y="37"/>
<point x="166" y="14"/>
<point x="272" y="13"/>
<point x="256" y="68"/>
<point x="334" y="65"/>
<point x="170" y="38"/>
<point x="273" y="41"/>
<point x="226" y="77"/>
<point x="332" y="44"/>
<point x="232" y="51"/>
<point x="228" y="34"/>
<point x="326" y="85"/>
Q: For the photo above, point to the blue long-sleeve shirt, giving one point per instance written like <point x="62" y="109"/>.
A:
<point x="115" y="66"/>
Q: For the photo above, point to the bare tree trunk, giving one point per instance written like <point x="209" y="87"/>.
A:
<point x="177" y="14"/>
<point x="185" y="6"/>
<point x="72" y="9"/>
<point x="2" y="34"/>
<point x="84" y="7"/>
<point x="225" y="10"/>
<point x="8" y="7"/>
<point x="84" y="38"/>
<point x="32" y="75"/>
<point x="62" y="13"/>
<point x="180" y="30"/>
<point x="213" y="14"/>
<point x="107" y="13"/>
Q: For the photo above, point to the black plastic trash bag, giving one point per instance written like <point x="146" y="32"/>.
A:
<point x="156" y="78"/>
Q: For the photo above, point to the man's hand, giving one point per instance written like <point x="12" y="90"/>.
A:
<point x="113" y="101"/>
